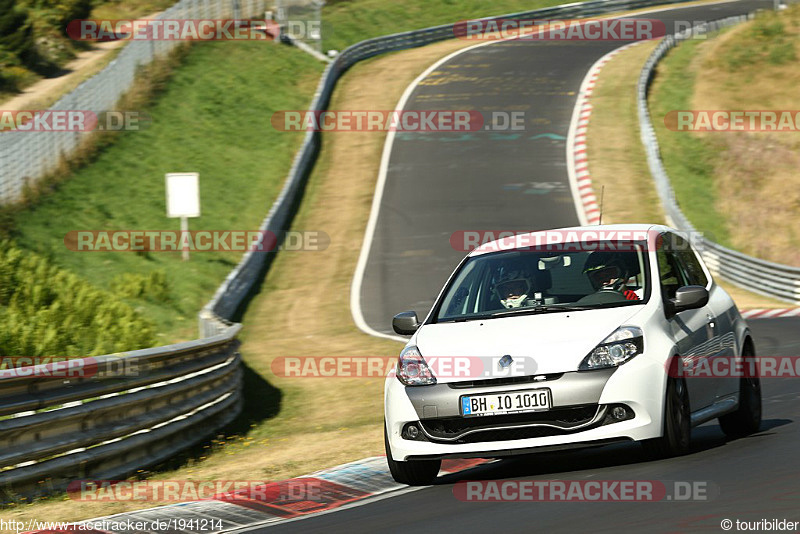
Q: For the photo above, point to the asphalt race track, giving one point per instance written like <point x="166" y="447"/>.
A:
<point x="757" y="477"/>
<point x="440" y="183"/>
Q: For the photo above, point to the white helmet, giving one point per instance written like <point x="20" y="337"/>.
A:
<point x="512" y="289"/>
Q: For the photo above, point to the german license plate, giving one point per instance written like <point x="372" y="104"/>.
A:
<point x="531" y="400"/>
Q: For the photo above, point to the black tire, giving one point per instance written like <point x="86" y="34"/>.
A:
<point x="414" y="473"/>
<point x="677" y="423"/>
<point x="747" y="418"/>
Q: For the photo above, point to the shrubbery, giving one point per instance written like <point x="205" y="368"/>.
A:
<point x="131" y="285"/>
<point x="33" y="37"/>
<point x="46" y="311"/>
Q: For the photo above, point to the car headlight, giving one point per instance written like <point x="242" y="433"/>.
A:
<point x="412" y="370"/>
<point x="625" y="343"/>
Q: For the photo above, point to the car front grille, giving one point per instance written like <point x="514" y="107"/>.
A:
<point x="505" y="381"/>
<point x="459" y="430"/>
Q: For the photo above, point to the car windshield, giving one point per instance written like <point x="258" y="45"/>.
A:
<point x="533" y="281"/>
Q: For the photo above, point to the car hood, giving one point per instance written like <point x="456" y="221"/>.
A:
<point x="553" y="342"/>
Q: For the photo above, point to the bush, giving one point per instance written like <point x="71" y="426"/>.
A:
<point x="131" y="285"/>
<point x="58" y="14"/>
<point x="46" y="311"/>
<point x="16" y="34"/>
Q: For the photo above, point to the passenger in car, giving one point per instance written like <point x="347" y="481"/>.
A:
<point x="608" y="273"/>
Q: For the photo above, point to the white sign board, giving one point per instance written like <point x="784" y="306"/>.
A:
<point x="183" y="194"/>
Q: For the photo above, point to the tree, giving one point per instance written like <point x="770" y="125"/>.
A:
<point x="16" y="31"/>
<point x="61" y="12"/>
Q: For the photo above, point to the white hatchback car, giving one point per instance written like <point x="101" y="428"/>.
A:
<point x="570" y="338"/>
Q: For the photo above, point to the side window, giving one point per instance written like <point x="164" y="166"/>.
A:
<point x="690" y="265"/>
<point x="670" y="273"/>
<point x="459" y="300"/>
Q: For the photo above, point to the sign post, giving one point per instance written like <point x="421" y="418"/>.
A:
<point x="183" y="200"/>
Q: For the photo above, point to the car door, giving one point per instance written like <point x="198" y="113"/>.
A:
<point x="690" y="328"/>
<point x="723" y="341"/>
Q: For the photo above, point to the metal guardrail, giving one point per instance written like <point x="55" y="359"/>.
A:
<point x="757" y="275"/>
<point x="113" y="414"/>
<point x="27" y="158"/>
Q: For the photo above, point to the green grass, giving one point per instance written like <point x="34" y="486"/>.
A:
<point x="766" y="40"/>
<point x="213" y="118"/>
<point x="345" y="22"/>
<point x="689" y="159"/>
<point x="128" y="9"/>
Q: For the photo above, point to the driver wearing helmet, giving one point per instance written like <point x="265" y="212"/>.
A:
<point x="513" y="288"/>
<point x="608" y="274"/>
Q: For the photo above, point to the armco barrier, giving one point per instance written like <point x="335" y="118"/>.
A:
<point x="120" y="413"/>
<point x="757" y="275"/>
<point x="55" y="430"/>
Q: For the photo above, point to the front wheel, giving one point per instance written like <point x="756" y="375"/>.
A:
<point x="747" y="418"/>
<point x="413" y="473"/>
<point x="677" y="423"/>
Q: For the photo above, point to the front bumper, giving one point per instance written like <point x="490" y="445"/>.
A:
<point x="580" y="415"/>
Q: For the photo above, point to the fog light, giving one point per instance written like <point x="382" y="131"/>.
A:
<point x="412" y="431"/>
<point x="619" y="413"/>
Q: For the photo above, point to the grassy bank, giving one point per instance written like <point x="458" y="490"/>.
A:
<point x="345" y="22"/>
<point x="212" y="117"/>
<point x="617" y="159"/>
<point x="690" y="161"/>
<point x="741" y="188"/>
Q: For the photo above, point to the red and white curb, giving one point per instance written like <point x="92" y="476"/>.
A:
<point x="770" y="313"/>
<point x="336" y="487"/>
<point x="586" y="202"/>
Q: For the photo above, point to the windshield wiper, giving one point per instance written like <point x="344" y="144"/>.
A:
<point x="541" y="308"/>
<point x="465" y="318"/>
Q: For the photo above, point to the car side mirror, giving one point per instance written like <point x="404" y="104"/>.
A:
<point x="689" y="298"/>
<point x="405" y="323"/>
